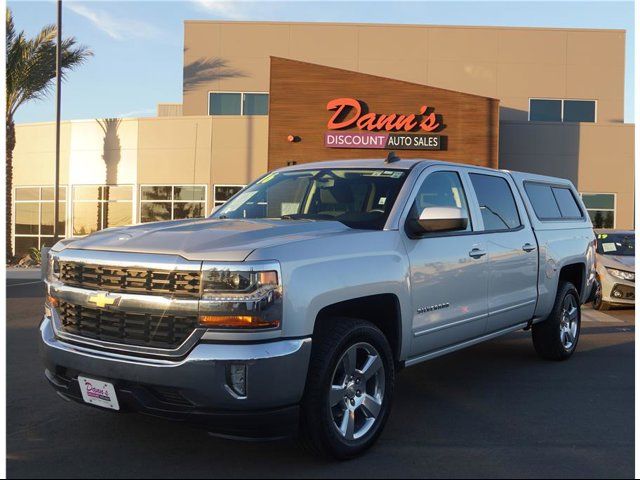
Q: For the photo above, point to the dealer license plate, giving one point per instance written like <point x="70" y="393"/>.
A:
<point x="98" y="392"/>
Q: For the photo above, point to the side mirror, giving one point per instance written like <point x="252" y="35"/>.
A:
<point x="441" y="219"/>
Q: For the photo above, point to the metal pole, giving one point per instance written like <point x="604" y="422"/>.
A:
<point x="56" y="188"/>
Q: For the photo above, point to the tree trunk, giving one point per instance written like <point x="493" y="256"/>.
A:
<point x="11" y="143"/>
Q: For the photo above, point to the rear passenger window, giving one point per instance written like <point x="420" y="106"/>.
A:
<point x="552" y="203"/>
<point x="498" y="207"/>
<point x="542" y="200"/>
<point x="567" y="203"/>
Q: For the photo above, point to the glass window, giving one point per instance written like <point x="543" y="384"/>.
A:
<point x="567" y="203"/>
<point x="616" y="244"/>
<point x="222" y="193"/>
<point x="255" y="104"/>
<point x="322" y="194"/>
<point x="33" y="219"/>
<point x="155" y="193"/>
<point x="542" y="200"/>
<point x="579" y="111"/>
<point x="225" y="103"/>
<point x="601" y="209"/>
<point x="96" y="207"/>
<point x="27" y="193"/>
<point x="27" y="218"/>
<point x="498" y="207"/>
<point x="441" y="189"/>
<point x="189" y="192"/>
<point x="545" y="110"/>
<point x="46" y="220"/>
<point x="48" y="193"/>
<point x="155" y="212"/>
<point x="159" y="203"/>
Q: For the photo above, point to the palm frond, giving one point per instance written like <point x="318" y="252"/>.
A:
<point x="31" y="63"/>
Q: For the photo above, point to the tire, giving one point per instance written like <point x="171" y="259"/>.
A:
<point x="331" y="392"/>
<point x="598" y="303"/>
<point x="557" y="337"/>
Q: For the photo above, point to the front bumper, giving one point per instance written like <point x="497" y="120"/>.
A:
<point x="195" y="388"/>
<point x="616" y="291"/>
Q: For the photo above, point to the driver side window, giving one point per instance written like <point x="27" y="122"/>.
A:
<point x="441" y="189"/>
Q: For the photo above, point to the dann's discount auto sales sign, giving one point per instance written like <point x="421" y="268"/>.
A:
<point x="392" y="131"/>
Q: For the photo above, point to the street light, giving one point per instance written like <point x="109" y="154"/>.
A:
<point x="56" y="188"/>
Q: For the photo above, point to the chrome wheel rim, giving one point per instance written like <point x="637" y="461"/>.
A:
<point x="357" y="391"/>
<point x="569" y="322"/>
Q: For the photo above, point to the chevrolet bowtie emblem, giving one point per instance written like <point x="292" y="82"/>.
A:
<point x="103" y="299"/>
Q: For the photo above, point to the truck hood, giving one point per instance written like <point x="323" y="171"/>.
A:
<point x="622" y="262"/>
<point x="207" y="239"/>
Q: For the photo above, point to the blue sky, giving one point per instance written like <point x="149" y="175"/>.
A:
<point x="138" y="45"/>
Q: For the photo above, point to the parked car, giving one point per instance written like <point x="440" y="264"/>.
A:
<point x="294" y="306"/>
<point x="615" y="267"/>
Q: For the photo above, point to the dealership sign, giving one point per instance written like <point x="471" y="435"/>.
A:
<point x="401" y="141"/>
<point x="397" y="131"/>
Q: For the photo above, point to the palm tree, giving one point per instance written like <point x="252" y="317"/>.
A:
<point x="31" y="69"/>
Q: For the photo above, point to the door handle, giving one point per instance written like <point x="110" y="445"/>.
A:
<point x="477" y="253"/>
<point x="527" y="247"/>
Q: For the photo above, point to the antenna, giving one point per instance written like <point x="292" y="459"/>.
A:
<point x="392" y="157"/>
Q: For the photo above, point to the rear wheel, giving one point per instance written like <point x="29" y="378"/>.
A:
<point x="349" y="388"/>
<point x="557" y="337"/>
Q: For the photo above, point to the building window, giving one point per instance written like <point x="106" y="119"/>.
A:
<point x="560" y="110"/>
<point x="33" y="217"/>
<point x="171" y="202"/>
<point x="222" y="193"/>
<point x="601" y="208"/>
<point x="96" y="207"/>
<point x="238" y="103"/>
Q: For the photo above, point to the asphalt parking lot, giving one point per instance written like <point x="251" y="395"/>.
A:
<point x="494" y="410"/>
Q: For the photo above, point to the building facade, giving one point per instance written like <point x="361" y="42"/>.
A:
<point x="256" y="96"/>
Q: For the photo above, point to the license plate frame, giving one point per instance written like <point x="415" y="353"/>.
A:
<point x="98" y="392"/>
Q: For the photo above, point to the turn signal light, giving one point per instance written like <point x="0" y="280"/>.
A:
<point x="237" y="321"/>
<point x="53" y="301"/>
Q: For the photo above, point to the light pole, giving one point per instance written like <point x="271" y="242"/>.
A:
<point x="56" y="188"/>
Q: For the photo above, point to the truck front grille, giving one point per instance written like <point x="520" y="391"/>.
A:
<point x="146" y="281"/>
<point x="157" y="331"/>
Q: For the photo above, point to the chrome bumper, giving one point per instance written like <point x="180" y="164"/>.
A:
<point x="276" y="370"/>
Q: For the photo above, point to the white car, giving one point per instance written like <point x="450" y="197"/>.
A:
<point x="615" y="266"/>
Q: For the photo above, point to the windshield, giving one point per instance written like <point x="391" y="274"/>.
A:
<point x="616" y="244"/>
<point x="359" y="198"/>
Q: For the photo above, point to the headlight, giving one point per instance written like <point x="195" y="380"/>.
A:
<point x="53" y="267"/>
<point x="622" y="274"/>
<point x="241" y="296"/>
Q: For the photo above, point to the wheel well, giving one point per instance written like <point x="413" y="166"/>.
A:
<point x="573" y="273"/>
<point x="382" y="310"/>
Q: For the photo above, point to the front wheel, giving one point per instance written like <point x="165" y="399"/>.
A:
<point x="598" y="303"/>
<point x="557" y="337"/>
<point x="349" y="388"/>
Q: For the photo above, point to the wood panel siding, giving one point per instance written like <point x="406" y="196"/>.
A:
<point x="299" y="93"/>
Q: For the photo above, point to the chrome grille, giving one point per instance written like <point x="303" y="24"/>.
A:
<point x="174" y="283"/>
<point x="158" y="331"/>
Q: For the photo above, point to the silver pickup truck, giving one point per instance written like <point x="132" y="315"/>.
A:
<point x="294" y="305"/>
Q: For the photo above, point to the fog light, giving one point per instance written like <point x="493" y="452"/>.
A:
<point x="237" y="378"/>
<point x="617" y="293"/>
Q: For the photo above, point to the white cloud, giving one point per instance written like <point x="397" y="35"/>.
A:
<point x="145" y="112"/>
<point x="121" y="28"/>
<point x="227" y="10"/>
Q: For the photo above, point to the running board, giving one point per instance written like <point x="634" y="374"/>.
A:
<point x="428" y="356"/>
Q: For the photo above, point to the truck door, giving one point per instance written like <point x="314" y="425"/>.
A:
<point x="448" y="270"/>
<point x="511" y="250"/>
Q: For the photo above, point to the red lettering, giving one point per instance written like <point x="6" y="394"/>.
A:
<point x="350" y="110"/>
<point x="339" y="104"/>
